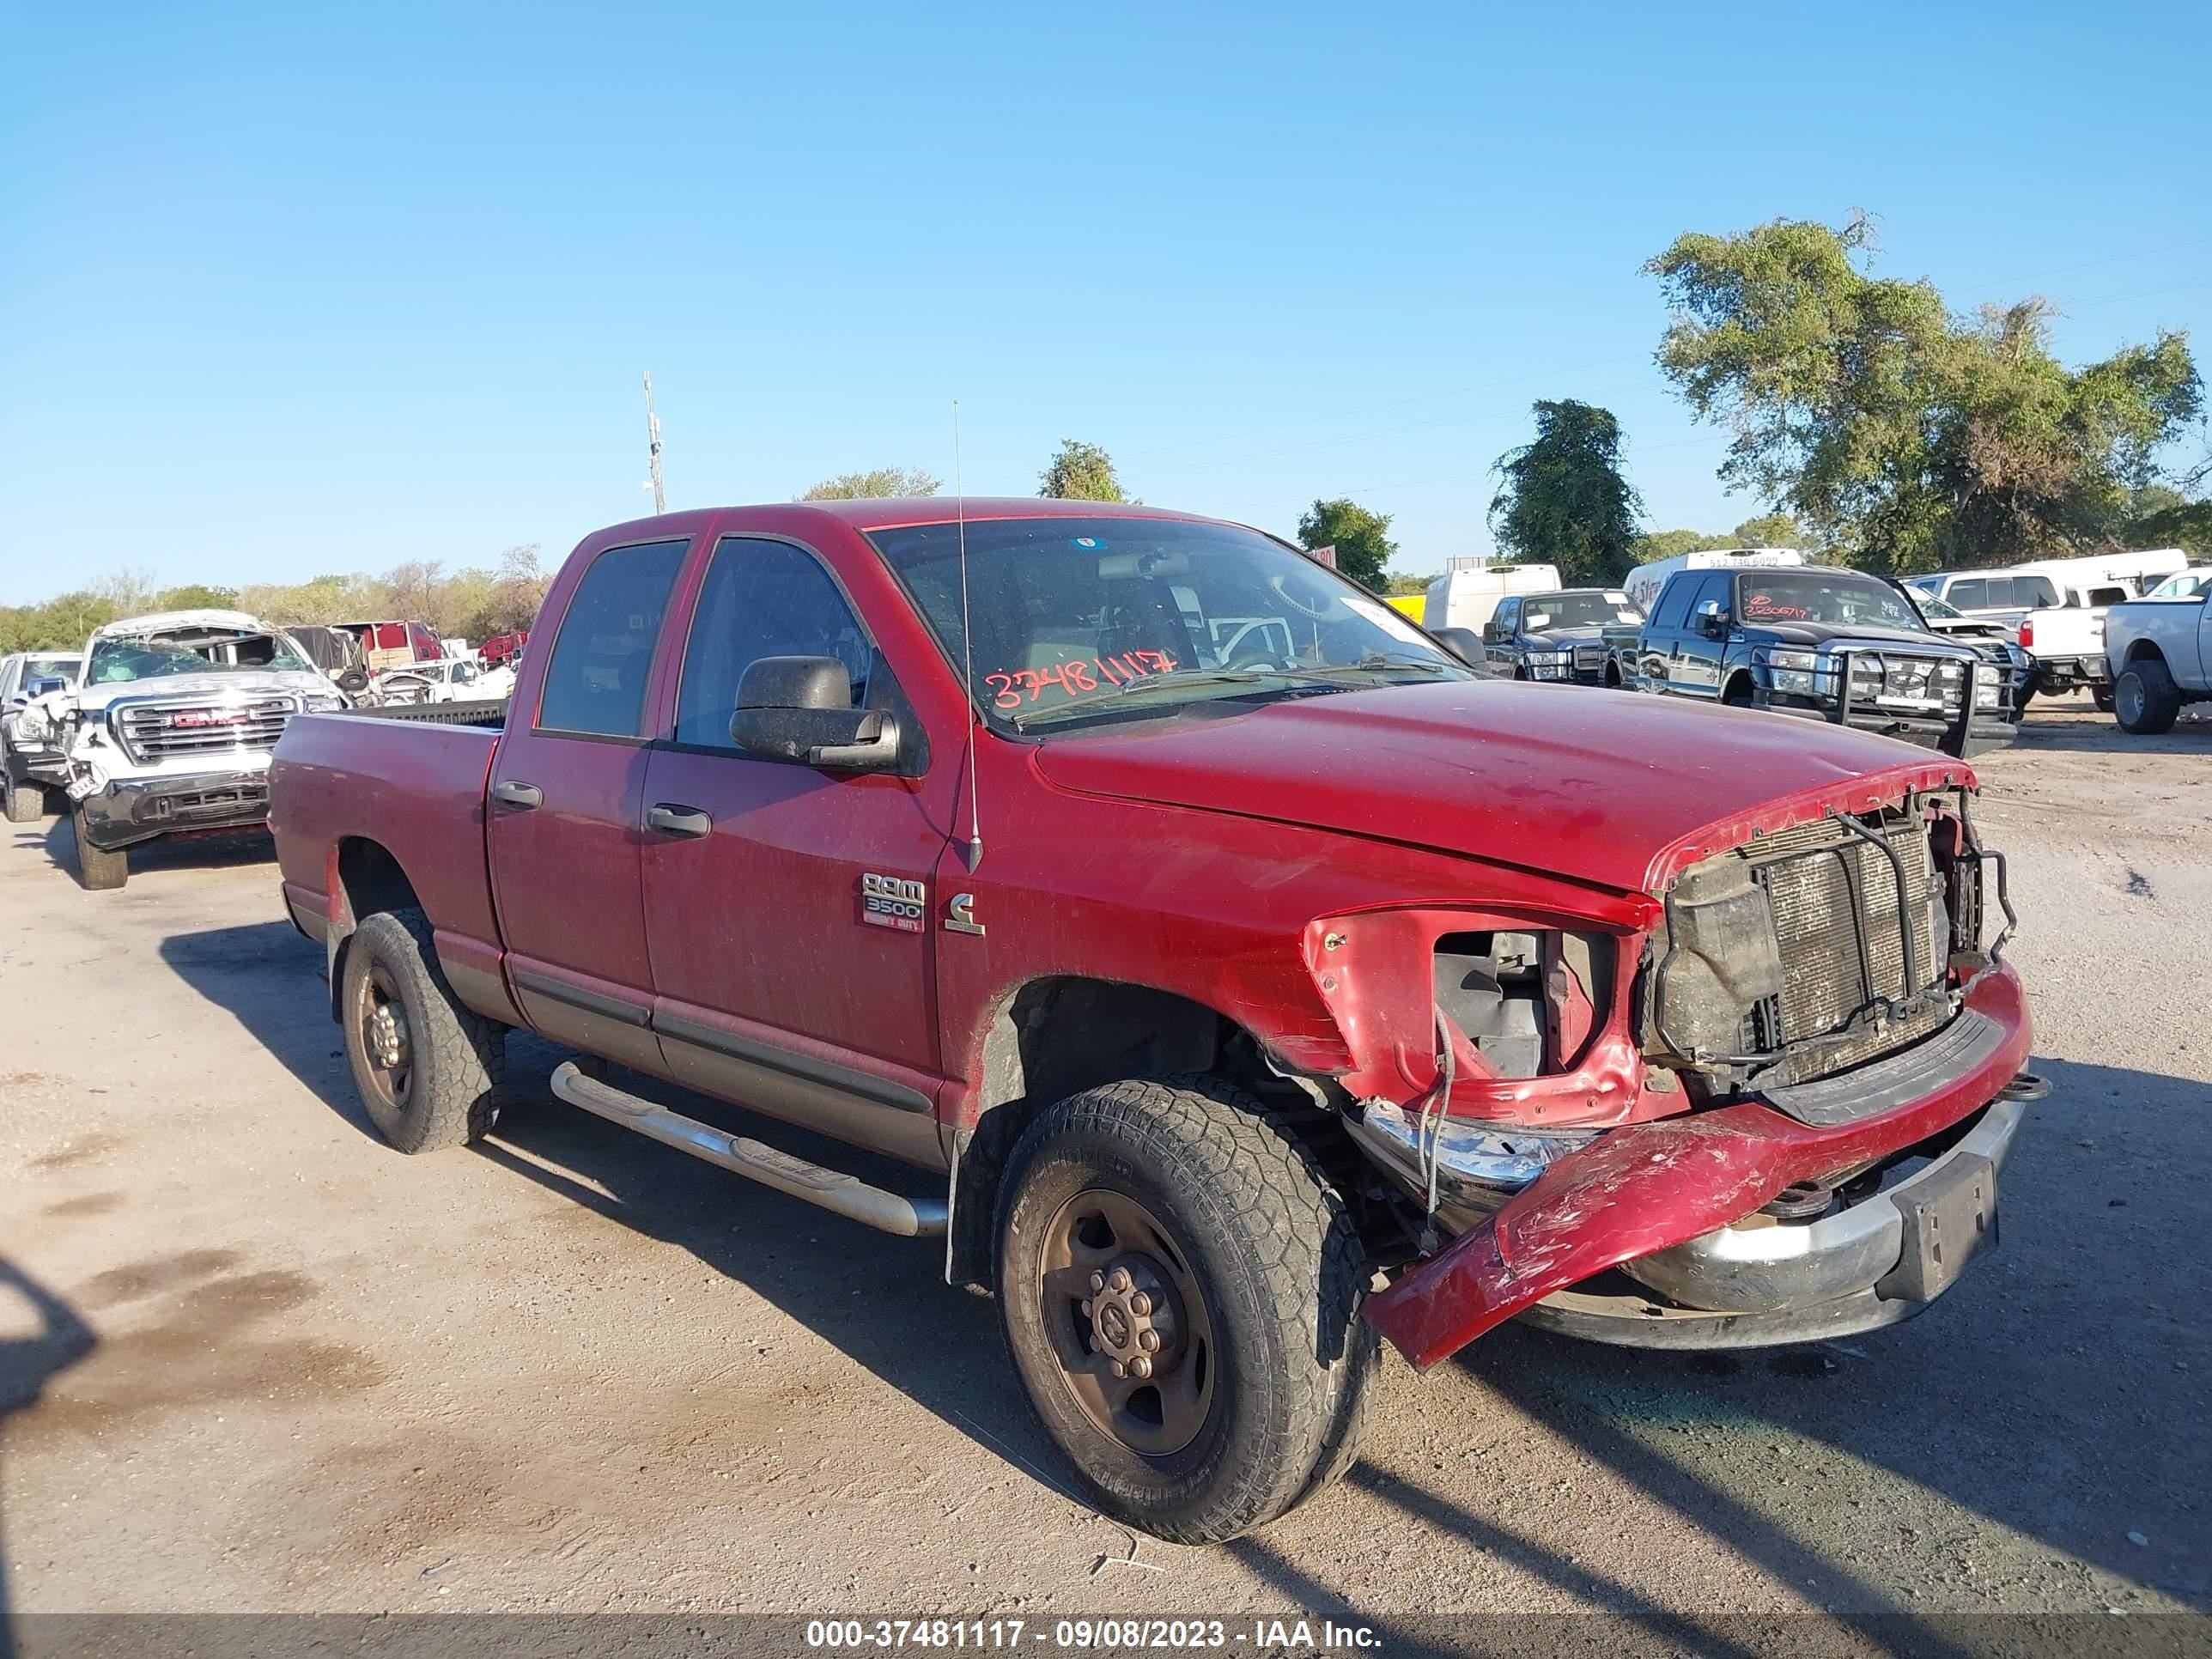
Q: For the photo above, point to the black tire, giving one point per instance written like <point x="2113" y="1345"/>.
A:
<point x="102" y="869"/>
<point x="1281" y="1375"/>
<point x="2145" y="700"/>
<point x="25" y="801"/>
<point x="433" y="1080"/>
<point x="2102" y="696"/>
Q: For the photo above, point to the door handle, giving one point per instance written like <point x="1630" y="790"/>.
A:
<point x="508" y="792"/>
<point x="673" y="820"/>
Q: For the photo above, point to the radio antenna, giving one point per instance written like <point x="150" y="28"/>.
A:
<point x="967" y="650"/>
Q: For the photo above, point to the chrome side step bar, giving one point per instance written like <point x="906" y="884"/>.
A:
<point x="832" y="1189"/>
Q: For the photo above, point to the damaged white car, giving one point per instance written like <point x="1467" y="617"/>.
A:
<point x="169" y="728"/>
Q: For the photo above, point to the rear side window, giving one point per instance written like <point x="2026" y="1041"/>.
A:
<point x="761" y="599"/>
<point x="2036" y="592"/>
<point x="595" y="683"/>
<point x="1969" y="595"/>
<point x="1674" y="600"/>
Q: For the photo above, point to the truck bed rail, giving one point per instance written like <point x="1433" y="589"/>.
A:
<point x="491" y="713"/>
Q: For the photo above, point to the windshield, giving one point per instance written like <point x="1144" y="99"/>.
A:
<point x="1083" y="618"/>
<point x="1544" y="611"/>
<point x="119" y="661"/>
<point x="1834" y="598"/>
<point x="1932" y="606"/>
<point x="48" y="668"/>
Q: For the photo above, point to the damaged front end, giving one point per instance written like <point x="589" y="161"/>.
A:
<point x="1773" y="1109"/>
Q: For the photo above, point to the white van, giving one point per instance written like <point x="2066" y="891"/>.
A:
<point x="1468" y="593"/>
<point x="1644" y="581"/>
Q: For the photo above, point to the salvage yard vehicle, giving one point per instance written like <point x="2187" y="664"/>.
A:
<point x="30" y="759"/>
<point x="1470" y="591"/>
<point x="1643" y="584"/>
<point x="456" y="679"/>
<point x="1558" y="636"/>
<point x="1043" y="847"/>
<point x="170" y="730"/>
<point x="2159" y="654"/>
<point x="1828" y="644"/>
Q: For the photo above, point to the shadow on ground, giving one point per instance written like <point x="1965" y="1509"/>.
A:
<point x="44" y="1336"/>
<point x="202" y="850"/>
<point x="2059" y="1392"/>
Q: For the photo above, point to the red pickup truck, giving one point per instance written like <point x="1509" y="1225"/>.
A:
<point x="1244" y="975"/>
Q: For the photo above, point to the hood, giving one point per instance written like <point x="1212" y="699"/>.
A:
<point x="1819" y="633"/>
<point x="1593" y="634"/>
<point x="219" y="685"/>
<point x="182" y="622"/>
<point x="1616" y="789"/>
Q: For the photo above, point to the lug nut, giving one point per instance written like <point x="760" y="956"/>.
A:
<point x="1097" y="1283"/>
<point x="1141" y="1304"/>
<point x="1149" y="1342"/>
<point x="1140" y="1366"/>
<point x="1120" y="1281"/>
<point x="1120" y="1370"/>
<point x="1086" y="1307"/>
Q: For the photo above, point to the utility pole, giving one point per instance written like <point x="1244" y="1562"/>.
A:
<point x="652" y="446"/>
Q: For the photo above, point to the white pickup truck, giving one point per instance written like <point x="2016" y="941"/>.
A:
<point x="2160" y="652"/>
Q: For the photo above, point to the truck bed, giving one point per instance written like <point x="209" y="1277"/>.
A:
<point x="407" y="783"/>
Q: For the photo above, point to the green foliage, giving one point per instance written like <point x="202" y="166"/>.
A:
<point x="1768" y="529"/>
<point x="1910" y="439"/>
<point x="2188" y="525"/>
<point x="1362" y="539"/>
<point x="61" y="624"/>
<point x="884" y="481"/>
<point x="473" y="604"/>
<point x="1080" y="473"/>
<point x="1563" y="501"/>
<point x="195" y="596"/>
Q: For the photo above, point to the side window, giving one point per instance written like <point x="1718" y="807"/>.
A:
<point x="603" y="658"/>
<point x="2036" y="592"/>
<point x="1508" y="619"/>
<point x="1673" y="601"/>
<point x="1715" y="587"/>
<point x="761" y="599"/>
<point x="1973" y="595"/>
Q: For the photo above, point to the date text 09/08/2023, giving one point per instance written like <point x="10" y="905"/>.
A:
<point x="1260" y="1635"/>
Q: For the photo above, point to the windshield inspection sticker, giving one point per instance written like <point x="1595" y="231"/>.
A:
<point x="1067" y="678"/>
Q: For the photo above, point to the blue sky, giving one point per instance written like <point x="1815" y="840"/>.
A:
<point x="299" y="289"/>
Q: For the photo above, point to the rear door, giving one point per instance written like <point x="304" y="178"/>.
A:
<point x="563" y="811"/>
<point x="790" y="907"/>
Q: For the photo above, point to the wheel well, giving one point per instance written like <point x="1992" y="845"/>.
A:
<point x="2144" y="650"/>
<point x="1738" y="684"/>
<point x="369" y="879"/>
<point x="1058" y="1036"/>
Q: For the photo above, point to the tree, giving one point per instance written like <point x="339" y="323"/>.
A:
<point x="195" y="596"/>
<point x="1361" y="539"/>
<point x="1909" y="438"/>
<point x="882" y="481"/>
<point x="1771" y="529"/>
<point x="1080" y="473"/>
<point x="1563" y="501"/>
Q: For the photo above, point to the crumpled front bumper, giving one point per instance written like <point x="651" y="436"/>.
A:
<point x="1649" y="1187"/>
<point x="123" y="811"/>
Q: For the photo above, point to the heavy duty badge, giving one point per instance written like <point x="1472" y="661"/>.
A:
<point x="893" y="901"/>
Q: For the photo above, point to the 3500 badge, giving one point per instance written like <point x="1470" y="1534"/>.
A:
<point x="893" y="901"/>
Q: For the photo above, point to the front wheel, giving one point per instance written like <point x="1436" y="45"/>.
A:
<point x="1179" y="1288"/>
<point x="102" y="869"/>
<point x="2145" y="700"/>
<point x="25" y="801"/>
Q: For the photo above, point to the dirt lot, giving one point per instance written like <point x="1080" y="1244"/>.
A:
<point x="251" y="1359"/>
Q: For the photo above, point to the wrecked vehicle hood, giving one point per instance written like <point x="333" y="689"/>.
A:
<point x="217" y="686"/>
<point x="1619" y="790"/>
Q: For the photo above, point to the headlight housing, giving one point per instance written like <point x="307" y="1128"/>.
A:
<point x="1788" y="670"/>
<point x="316" y="702"/>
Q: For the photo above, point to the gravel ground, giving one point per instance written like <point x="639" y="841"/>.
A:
<point x="250" y="1359"/>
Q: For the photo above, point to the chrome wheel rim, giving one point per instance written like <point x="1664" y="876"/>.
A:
<point x="381" y="1023"/>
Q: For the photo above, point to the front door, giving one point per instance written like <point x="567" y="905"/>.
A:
<point x="791" y="909"/>
<point x="1498" y="637"/>
<point x="563" y="812"/>
<point x="1697" y="664"/>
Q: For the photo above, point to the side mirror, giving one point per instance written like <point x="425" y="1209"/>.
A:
<point x="1712" y="621"/>
<point x="800" y="709"/>
<point x="40" y="688"/>
<point x="1462" y="643"/>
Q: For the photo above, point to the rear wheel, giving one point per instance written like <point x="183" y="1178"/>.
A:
<point x="2145" y="700"/>
<point x="102" y="869"/>
<point x="428" y="1069"/>
<point x="1179" y="1288"/>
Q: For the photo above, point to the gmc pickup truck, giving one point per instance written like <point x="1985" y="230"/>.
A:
<point x="1242" y="978"/>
